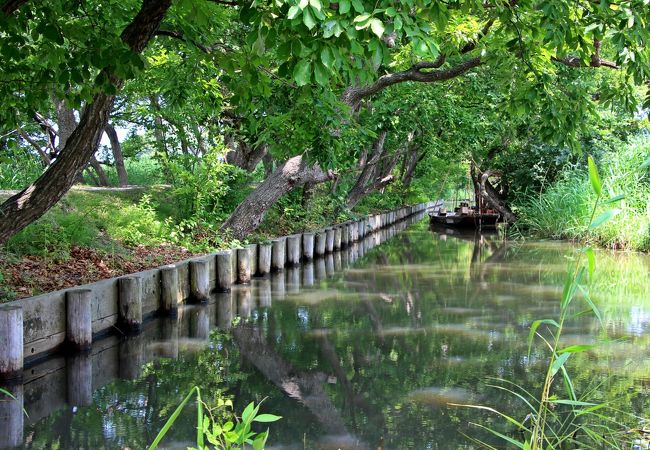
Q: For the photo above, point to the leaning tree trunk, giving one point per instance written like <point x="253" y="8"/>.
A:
<point x="292" y="173"/>
<point x="118" y="156"/>
<point x="488" y="195"/>
<point x="99" y="170"/>
<point x="31" y="203"/>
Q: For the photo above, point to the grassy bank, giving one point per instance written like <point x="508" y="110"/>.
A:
<point x="93" y="235"/>
<point x="563" y="210"/>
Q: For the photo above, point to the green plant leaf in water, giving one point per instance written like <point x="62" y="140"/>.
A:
<point x="559" y="362"/>
<point x="616" y="198"/>
<point x="535" y="326"/>
<point x="591" y="260"/>
<point x="604" y="217"/>
<point x="576" y="348"/>
<point x="592" y="305"/>
<point x="593" y="176"/>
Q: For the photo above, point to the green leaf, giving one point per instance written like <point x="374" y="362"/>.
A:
<point x="246" y="415"/>
<point x="572" y="402"/>
<point x="293" y="12"/>
<point x="592" y="305"/>
<point x="344" y="6"/>
<point x="391" y="12"/>
<point x="267" y="418"/>
<point x="321" y="74"/>
<point x="163" y="431"/>
<point x="357" y="5"/>
<point x="646" y="163"/>
<point x="535" y="326"/>
<point x="398" y="23"/>
<point x="604" y="217"/>
<point x="593" y="176"/>
<point x="591" y="260"/>
<point x="576" y="348"/>
<point x="615" y="199"/>
<point x="302" y="72"/>
<point x="361" y="18"/>
<point x="326" y="57"/>
<point x="377" y="27"/>
<point x="308" y="19"/>
<point x="303" y="4"/>
<point x="315" y="4"/>
<point x="559" y="362"/>
<point x="199" y="420"/>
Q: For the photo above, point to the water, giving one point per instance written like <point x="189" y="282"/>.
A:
<point x="364" y="349"/>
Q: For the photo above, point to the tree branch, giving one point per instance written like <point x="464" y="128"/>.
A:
<point x="180" y="37"/>
<point x="353" y="95"/>
<point x="11" y="6"/>
<point x="595" y="60"/>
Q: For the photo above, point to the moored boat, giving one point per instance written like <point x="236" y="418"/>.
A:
<point x="464" y="217"/>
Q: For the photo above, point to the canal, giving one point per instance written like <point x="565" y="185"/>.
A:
<point x="364" y="349"/>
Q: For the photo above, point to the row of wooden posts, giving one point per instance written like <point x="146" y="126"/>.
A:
<point x="232" y="266"/>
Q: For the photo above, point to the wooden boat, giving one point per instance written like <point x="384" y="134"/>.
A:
<point x="464" y="217"/>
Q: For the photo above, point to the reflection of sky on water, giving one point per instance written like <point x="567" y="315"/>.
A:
<point x="639" y="319"/>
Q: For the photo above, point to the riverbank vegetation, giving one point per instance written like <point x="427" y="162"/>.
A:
<point x="562" y="210"/>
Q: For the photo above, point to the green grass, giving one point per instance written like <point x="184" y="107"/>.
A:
<point x="562" y="211"/>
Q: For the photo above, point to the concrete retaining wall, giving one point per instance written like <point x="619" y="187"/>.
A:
<point x="44" y="316"/>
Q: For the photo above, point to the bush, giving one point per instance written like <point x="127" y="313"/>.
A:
<point x="562" y="210"/>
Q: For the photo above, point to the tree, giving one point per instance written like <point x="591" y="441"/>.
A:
<point x="28" y="205"/>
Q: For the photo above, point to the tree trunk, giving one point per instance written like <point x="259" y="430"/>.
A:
<point x="66" y="122"/>
<point x="122" y="176"/>
<point x="31" y="203"/>
<point x="243" y="155"/>
<point x="368" y="173"/>
<point x="292" y="173"/>
<point x="489" y="195"/>
<point x="101" y="175"/>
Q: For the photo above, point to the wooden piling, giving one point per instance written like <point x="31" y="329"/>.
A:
<point x="278" y="254"/>
<point x="224" y="271"/>
<point x="11" y="343"/>
<point x="79" y="326"/>
<point x="329" y="240"/>
<point x="252" y="257"/>
<point x="170" y="294"/>
<point x="344" y="235"/>
<point x="321" y="243"/>
<point x="243" y="266"/>
<point x="308" y="246"/>
<point x="130" y="304"/>
<point x="264" y="259"/>
<point x="200" y="280"/>
<point x="337" y="237"/>
<point x="293" y="250"/>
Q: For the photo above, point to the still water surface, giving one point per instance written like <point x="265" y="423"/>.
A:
<point x="364" y="349"/>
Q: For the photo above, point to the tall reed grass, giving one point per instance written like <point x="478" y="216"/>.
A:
<point x="563" y="210"/>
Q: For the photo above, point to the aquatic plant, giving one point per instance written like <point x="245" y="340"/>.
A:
<point x="231" y="435"/>
<point x="560" y="417"/>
